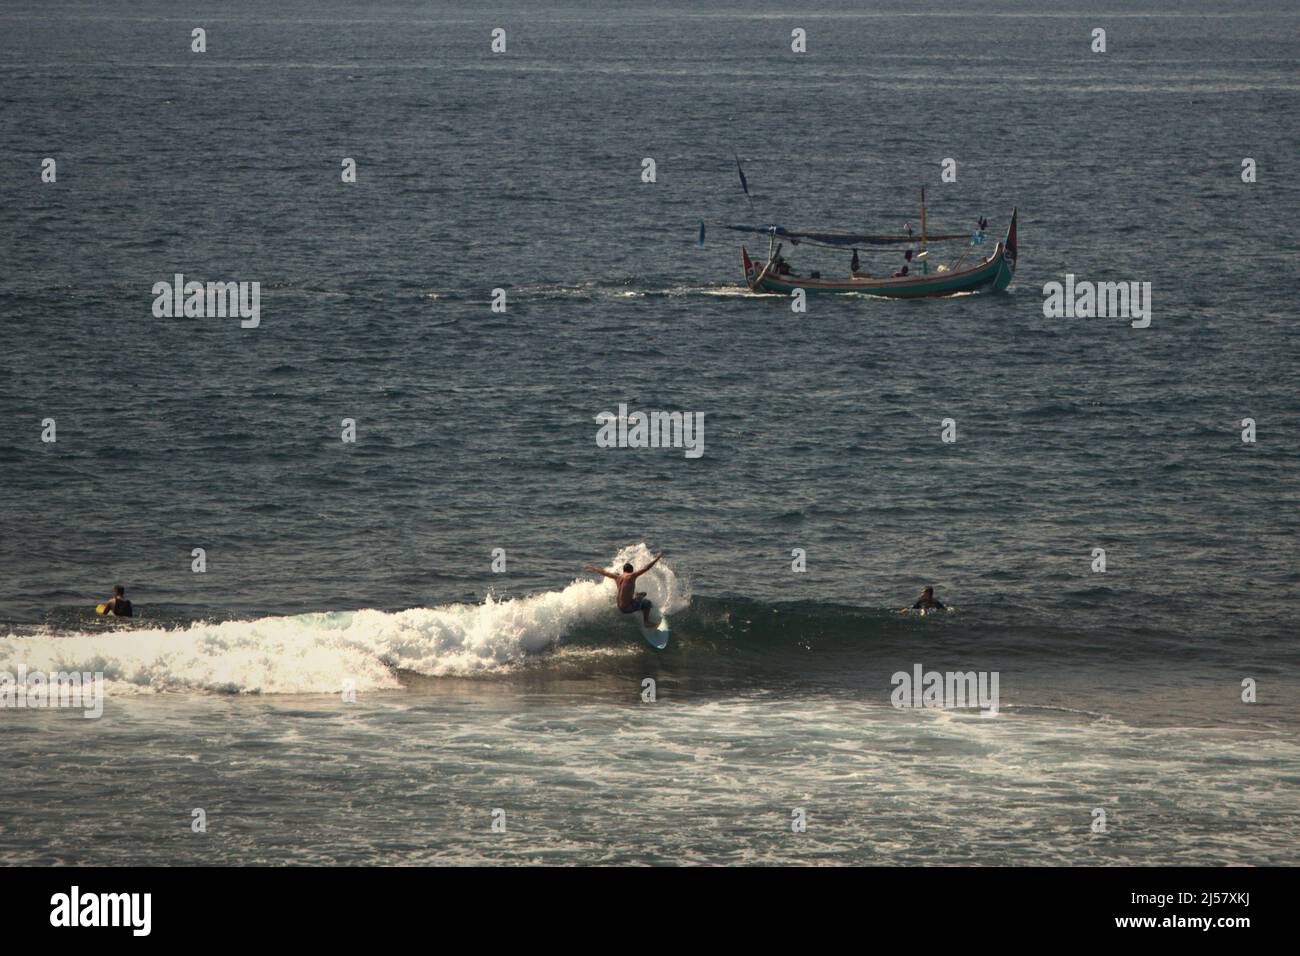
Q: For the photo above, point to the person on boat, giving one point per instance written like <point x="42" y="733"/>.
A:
<point x="625" y="583"/>
<point x="118" y="605"/>
<point x="854" y="265"/>
<point x="782" y="267"/>
<point x="928" y="602"/>
<point x="901" y="273"/>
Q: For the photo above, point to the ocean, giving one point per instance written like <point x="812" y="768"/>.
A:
<point x="387" y="652"/>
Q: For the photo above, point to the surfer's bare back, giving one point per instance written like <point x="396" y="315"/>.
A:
<point x="629" y="602"/>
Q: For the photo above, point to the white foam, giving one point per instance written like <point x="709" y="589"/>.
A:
<point x="322" y="653"/>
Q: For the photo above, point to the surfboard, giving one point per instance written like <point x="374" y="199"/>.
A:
<point x="657" y="636"/>
<point x="99" y="609"/>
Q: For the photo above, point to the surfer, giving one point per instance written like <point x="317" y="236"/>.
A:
<point x="928" y="602"/>
<point x="629" y="602"/>
<point x="118" y="605"/>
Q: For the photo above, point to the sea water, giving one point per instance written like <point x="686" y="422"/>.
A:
<point x="350" y="679"/>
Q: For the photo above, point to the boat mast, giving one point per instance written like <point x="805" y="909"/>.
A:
<point x="923" y="219"/>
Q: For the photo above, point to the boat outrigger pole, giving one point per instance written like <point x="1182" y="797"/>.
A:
<point x="744" y="184"/>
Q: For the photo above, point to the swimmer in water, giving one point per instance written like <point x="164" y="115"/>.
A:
<point x="927" y="602"/>
<point x="118" y="605"/>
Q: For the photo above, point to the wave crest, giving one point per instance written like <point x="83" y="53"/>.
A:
<point x="329" y="652"/>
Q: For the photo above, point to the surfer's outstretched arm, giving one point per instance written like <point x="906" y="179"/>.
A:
<point x="596" y="570"/>
<point x="658" y="556"/>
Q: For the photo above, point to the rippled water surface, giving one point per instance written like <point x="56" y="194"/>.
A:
<point x="368" y="566"/>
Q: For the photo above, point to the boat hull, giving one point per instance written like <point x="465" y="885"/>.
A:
<point x="992" y="275"/>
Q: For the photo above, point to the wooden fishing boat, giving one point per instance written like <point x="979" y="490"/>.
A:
<point x="966" y="273"/>
<point x="919" y="277"/>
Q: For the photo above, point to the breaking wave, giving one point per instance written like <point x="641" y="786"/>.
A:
<point x="327" y="652"/>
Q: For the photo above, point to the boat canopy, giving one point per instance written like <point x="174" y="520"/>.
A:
<point x="845" y="239"/>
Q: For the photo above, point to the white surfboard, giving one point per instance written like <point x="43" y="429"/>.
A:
<point x="656" y="635"/>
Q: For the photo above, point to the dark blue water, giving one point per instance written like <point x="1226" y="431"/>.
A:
<point x="476" y="431"/>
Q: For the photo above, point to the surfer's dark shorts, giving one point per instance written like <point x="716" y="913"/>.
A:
<point x="637" y="604"/>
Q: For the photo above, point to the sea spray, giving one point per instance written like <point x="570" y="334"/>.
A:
<point x="662" y="586"/>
